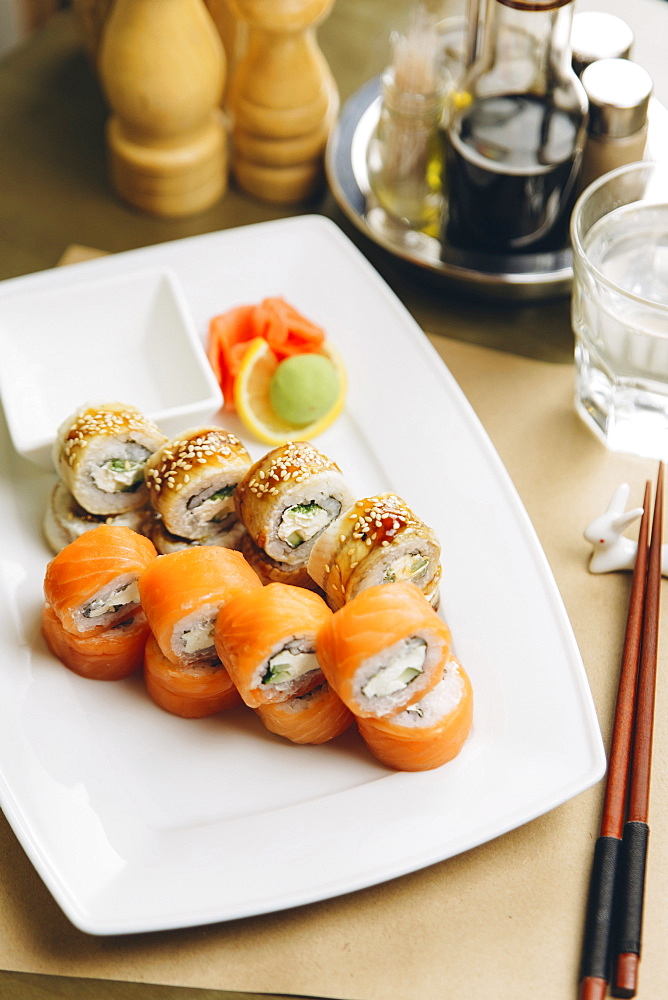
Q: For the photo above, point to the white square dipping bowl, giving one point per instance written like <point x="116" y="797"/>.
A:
<point x="127" y="338"/>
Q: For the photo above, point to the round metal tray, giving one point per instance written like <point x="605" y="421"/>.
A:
<point x="498" y="276"/>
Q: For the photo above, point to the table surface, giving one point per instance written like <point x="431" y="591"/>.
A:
<point x="54" y="192"/>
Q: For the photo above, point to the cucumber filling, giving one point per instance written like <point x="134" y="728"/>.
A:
<point x="121" y="475"/>
<point x="301" y="522"/>
<point x="221" y="500"/>
<point x="128" y="594"/>
<point x="399" y="672"/>
<point x="288" y="665"/>
<point x="409" y="567"/>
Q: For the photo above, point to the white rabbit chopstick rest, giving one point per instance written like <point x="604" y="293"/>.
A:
<point x="612" y="551"/>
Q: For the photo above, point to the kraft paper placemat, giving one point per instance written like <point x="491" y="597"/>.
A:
<point x="501" y="921"/>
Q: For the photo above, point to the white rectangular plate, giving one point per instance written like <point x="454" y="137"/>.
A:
<point x="137" y="820"/>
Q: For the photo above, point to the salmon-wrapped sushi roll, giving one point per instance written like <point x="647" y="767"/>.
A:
<point x="91" y="584"/>
<point x="377" y="540"/>
<point x="100" y="453"/>
<point x="271" y="571"/>
<point x="314" y="717"/>
<point x="429" y="733"/>
<point x="182" y="593"/>
<point x="266" y="639"/>
<point x="111" y="655"/>
<point x="191" y="482"/>
<point x="65" y="519"/>
<point x="288" y="498"/>
<point x="384" y="650"/>
<point x="190" y="690"/>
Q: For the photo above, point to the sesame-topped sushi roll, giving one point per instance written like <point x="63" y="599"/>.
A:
<point x="100" y="454"/>
<point x="384" y="650"/>
<point x="191" y="482"/>
<point x="377" y="540"/>
<point x="92" y="584"/>
<point x="271" y="571"/>
<point x="65" y="519"/>
<point x="230" y="537"/>
<point x="288" y="498"/>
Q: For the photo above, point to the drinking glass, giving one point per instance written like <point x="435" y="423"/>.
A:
<point x="619" y="308"/>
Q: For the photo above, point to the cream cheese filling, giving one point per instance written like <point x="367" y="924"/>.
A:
<point x="399" y="672"/>
<point x="302" y="522"/>
<point x="197" y="638"/>
<point x="125" y="595"/>
<point x="288" y="665"/>
<point x="407" y="567"/>
<point x="118" y="475"/>
<point x="214" y="508"/>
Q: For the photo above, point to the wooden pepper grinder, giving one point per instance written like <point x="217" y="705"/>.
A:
<point x="162" y="67"/>
<point x="282" y="100"/>
<point x="91" y="16"/>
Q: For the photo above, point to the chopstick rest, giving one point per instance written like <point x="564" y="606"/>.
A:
<point x="611" y="549"/>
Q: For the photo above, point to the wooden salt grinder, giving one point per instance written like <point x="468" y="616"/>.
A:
<point x="282" y="100"/>
<point x="231" y="30"/>
<point x="162" y="66"/>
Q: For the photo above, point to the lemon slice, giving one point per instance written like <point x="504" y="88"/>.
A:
<point x="253" y="403"/>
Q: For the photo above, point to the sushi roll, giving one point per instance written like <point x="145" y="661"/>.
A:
<point x="271" y="571"/>
<point x="314" y="717"/>
<point x="111" y="655"/>
<point x="230" y="537"/>
<point x="377" y="540"/>
<point x="429" y="733"/>
<point x="384" y="650"/>
<point x="182" y="593"/>
<point x="65" y="519"/>
<point x="100" y="453"/>
<point x="266" y="639"/>
<point x="288" y="498"/>
<point x="191" y="482"/>
<point x="190" y="690"/>
<point x="91" y="584"/>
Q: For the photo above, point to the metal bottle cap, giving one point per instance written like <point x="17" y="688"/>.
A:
<point x="619" y="91"/>
<point x="598" y="35"/>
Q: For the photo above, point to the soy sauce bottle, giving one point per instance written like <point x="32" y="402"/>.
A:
<point x="515" y="137"/>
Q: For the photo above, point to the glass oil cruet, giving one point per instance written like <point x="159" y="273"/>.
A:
<point x="516" y="133"/>
<point x="405" y="152"/>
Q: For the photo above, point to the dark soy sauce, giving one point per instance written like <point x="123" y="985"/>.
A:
<point x="511" y="168"/>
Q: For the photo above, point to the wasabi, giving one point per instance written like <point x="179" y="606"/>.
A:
<point x="304" y="387"/>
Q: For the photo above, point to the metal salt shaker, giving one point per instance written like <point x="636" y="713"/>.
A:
<point x="619" y="92"/>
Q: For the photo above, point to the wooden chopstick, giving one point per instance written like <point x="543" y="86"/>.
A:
<point x="636" y="828"/>
<point x="596" y="952"/>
